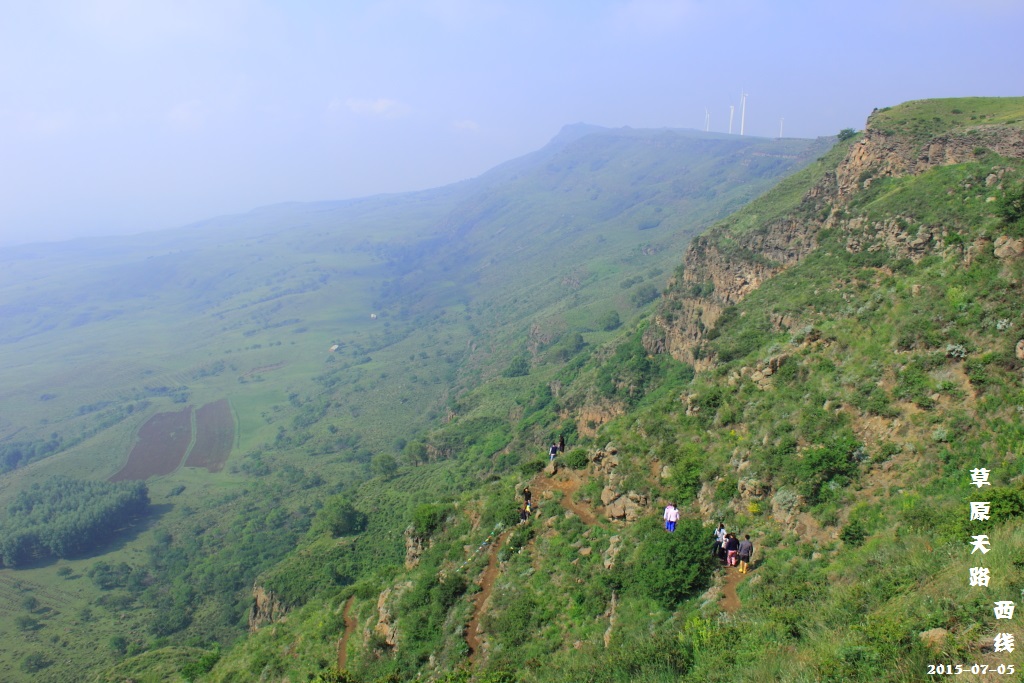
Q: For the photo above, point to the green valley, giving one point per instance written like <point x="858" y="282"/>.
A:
<point x="819" y="344"/>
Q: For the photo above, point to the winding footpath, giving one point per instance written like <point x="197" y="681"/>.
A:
<point x="568" y="482"/>
<point x="350" y="627"/>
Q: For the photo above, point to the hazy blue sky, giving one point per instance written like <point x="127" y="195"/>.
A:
<point x="128" y="115"/>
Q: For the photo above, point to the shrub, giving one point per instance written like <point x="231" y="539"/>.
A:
<point x="826" y="463"/>
<point x="853" y="533"/>
<point x="670" y="567"/>
<point x="845" y="134"/>
<point x="576" y="458"/>
<point x="519" y="367"/>
<point x="34" y="662"/>
<point x="531" y="467"/>
<point x="427" y="518"/>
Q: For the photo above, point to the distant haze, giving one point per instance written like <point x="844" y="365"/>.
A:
<point x="119" y="116"/>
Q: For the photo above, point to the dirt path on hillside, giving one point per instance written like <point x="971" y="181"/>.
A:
<point x="730" y="601"/>
<point x="565" y="481"/>
<point x="568" y="482"/>
<point x="350" y="627"/>
<point x="486" y="586"/>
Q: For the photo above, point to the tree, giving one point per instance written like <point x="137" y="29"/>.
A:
<point x="845" y="134"/>
<point x="384" y="465"/>
<point x="119" y="644"/>
<point x="340" y="518"/>
<point x="609" y="321"/>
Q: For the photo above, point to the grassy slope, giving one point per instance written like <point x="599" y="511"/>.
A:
<point x="900" y="376"/>
<point x="246" y="308"/>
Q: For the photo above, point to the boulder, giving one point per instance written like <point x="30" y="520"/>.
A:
<point x="608" y="495"/>
<point x="1008" y="248"/>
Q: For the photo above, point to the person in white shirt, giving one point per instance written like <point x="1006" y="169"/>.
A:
<point x="671" y="517"/>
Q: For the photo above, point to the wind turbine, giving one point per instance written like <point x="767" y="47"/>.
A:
<point x="707" y="120"/>
<point x="743" y="111"/>
<point x="732" y="110"/>
<point x="780" y="126"/>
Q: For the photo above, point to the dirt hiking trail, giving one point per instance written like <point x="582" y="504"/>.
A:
<point x="567" y="482"/>
<point x="350" y="627"/>
<point x="730" y="601"/>
<point x="486" y="586"/>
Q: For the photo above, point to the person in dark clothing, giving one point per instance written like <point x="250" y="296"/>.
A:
<point x="524" y="514"/>
<point x="527" y="495"/>
<point x="561" y="443"/>
<point x="732" y="546"/>
<point x="553" y="451"/>
<point x="745" y="551"/>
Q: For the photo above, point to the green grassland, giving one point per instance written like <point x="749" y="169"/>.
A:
<point x="849" y="467"/>
<point x="932" y="118"/>
<point x="99" y="335"/>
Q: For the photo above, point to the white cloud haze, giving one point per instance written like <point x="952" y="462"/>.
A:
<point x="123" y="116"/>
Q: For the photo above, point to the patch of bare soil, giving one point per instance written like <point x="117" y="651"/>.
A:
<point x="568" y="483"/>
<point x="486" y="586"/>
<point x="730" y="601"/>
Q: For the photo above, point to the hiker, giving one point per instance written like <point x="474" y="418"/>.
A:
<point x="553" y="452"/>
<point x="524" y="514"/>
<point x="561" y="443"/>
<point x="671" y="517"/>
<point x="527" y="495"/>
<point x="745" y="552"/>
<point x="731" y="547"/>
<point x="718" y="548"/>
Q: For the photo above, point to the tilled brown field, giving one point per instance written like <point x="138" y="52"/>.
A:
<point x="161" y="445"/>
<point x="215" y="435"/>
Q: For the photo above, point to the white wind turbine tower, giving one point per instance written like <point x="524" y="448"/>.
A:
<point x="781" y="119"/>
<point x="732" y="110"/>
<point x="743" y="111"/>
<point x="707" y="120"/>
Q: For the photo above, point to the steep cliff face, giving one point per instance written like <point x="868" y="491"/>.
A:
<point x="266" y="608"/>
<point x="884" y="153"/>
<point x="726" y="264"/>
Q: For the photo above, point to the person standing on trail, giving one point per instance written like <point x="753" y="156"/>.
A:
<point x="527" y="495"/>
<point x="745" y="552"/>
<point x="732" y="546"/>
<point x="718" y="549"/>
<point x="561" y="443"/>
<point x="671" y="516"/>
<point x="553" y="451"/>
<point x="524" y="514"/>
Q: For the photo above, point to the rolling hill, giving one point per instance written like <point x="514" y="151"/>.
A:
<point x="350" y="339"/>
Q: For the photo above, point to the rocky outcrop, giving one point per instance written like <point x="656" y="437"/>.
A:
<point x="882" y="153"/>
<point x="266" y="608"/>
<point x="725" y="265"/>
<point x="414" y="548"/>
<point x="385" y="628"/>
<point x="627" y="507"/>
<point x="590" y="417"/>
<point x="759" y="374"/>
<point x="1007" y="248"/>
<point x="717" y="274"/>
